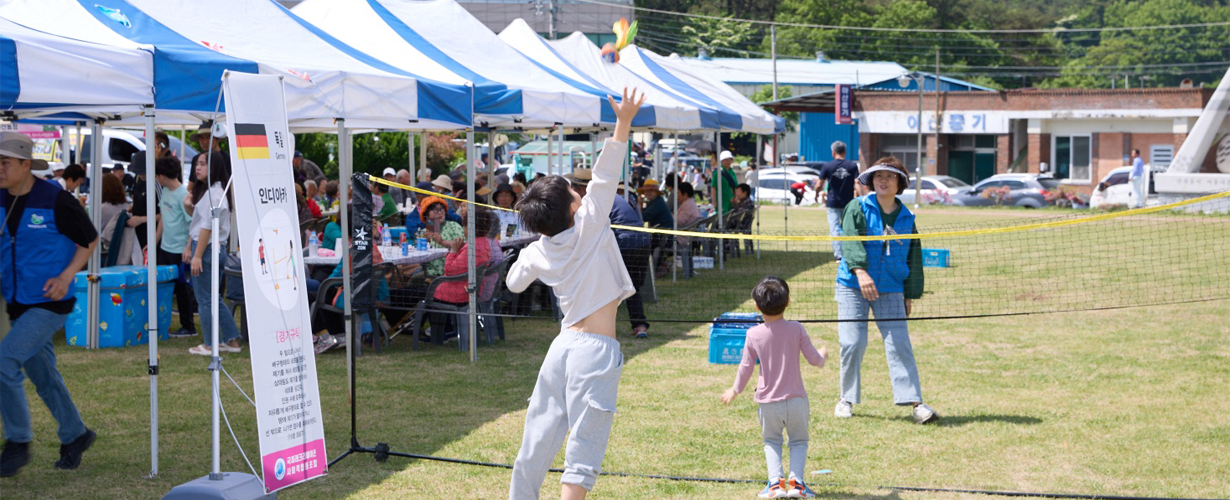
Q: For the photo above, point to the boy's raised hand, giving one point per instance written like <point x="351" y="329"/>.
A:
<point x="627" y="108"/>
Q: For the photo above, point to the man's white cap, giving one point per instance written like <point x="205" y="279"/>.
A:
<point x="726" y="155"/>
<point x="389" y="171"/>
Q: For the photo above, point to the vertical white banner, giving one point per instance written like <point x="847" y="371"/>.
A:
<point x="288" y="412"/>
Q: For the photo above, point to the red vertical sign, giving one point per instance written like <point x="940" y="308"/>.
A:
<point x="843" y="114"/>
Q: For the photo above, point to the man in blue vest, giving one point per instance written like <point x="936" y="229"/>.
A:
<point x="45" y="238"/>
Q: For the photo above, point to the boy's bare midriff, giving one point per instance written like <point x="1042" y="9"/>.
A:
<point x="601" y="322"/>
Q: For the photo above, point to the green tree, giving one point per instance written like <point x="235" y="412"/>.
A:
<point x="765" y="94"/>
<point x="1153" y="53"/>
<point x="720" y="37"/>
<point x="321" y="148"/>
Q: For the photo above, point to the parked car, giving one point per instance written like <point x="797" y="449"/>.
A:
<point x="1115" y="189"/>
<point x="936" y="189"/>
<point x="775" y="187"/>
<point x="806" y="167"/>
<point x="117" y="150"/>
<point x="1010" y="190"/>
<point x="801" y="172"/>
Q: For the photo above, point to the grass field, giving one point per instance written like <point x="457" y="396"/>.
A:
<point x="1121" y="402"/>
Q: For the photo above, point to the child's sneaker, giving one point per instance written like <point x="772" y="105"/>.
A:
<point x="775" y="489"/>
<point x="799" y="490"/>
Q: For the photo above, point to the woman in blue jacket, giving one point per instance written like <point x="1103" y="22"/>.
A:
<point x="884" y="276"/>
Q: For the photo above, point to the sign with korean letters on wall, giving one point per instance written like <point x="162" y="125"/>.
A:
<point x="951" y="122"/>
<point x="843" y="115"/>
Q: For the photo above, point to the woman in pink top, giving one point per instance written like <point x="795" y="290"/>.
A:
<point x="783" y="401"/>
<point x="456" y="262"/>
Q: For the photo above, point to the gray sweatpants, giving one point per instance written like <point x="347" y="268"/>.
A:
<point x="792" y="415"/>
<point x="574" y="397"/>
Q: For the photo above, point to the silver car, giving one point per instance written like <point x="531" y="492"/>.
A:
<point x="936" y="189"/>
<point x="1009" y="190"/>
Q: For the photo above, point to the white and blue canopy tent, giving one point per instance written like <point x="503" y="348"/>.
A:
<point x="671" y="112"/>
<point x="193" y="43"/>
<point x="523" y="39"/>
<point x="41" y="71"/>
<point x="441" y="40"/>
<point x="178" y="52"/>
<point x="742" y="115"/>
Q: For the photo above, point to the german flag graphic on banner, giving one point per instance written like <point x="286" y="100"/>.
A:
<point x="251" y="141"/>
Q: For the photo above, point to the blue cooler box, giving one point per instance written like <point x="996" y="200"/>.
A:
<point x="726" y="337"/>
<point x="123" y="313"/>
<point x="935" y="257"/>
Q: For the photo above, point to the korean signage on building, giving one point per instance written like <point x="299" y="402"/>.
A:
<point x="951" y="122"/>
<point x="844" y="113"/>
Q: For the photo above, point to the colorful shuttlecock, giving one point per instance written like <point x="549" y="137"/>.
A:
<point x="609" y="54"/>
<point x="624" y="33"/>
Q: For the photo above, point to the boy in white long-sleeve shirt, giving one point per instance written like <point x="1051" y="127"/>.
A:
<point x="579" y="378"/>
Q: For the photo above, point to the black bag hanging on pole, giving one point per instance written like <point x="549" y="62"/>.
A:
<point x="363" y="291"/>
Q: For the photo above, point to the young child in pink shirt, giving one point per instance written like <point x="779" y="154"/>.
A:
<point x="783" y="401"/>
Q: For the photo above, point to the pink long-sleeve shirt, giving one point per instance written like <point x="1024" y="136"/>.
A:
<point x="777" y="345"/>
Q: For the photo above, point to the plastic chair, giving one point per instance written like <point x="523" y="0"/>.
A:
<point x="232" y="275"/>
<point x="493" y="326"/>
<point x="429" y="303"/>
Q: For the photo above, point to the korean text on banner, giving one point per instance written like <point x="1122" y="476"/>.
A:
<point x="288" y="412"/>
<point x="843" y="115"/>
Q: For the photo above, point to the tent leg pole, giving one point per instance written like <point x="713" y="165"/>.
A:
<point x="471" y="281"/>
<point x="151" y="269"/>
<point x="721" y="253"/>
<point x="344" y="154"/>
<point x="91" y="341"/>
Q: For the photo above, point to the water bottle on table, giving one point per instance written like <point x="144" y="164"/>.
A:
<point x="420" y="240"/>
<point x="386" y="238"/>
<point x="313" y="243"/>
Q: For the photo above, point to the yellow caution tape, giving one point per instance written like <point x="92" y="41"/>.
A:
<point x="945" y="234"/>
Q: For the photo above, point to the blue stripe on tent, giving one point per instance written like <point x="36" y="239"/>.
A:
<point x="490" y="97"/>
<point x="187" y="75"/>
<point x="444" y="111"/>
<point x="10" y="81"/>
<point x="646" y="117"/>
<point x="443" y="102"/>
<point x="727" y="118"/>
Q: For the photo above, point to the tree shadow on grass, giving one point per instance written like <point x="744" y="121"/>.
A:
<point x="963" y="420"/>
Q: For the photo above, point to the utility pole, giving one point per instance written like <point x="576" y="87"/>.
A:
<point x="552" y="19"/>
<point x="551" y="10"/>
<point x="938" y="118"/>
<point x="773" y="54"/>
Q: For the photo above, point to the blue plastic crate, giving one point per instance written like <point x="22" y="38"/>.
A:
<point x="726" y="346"/>
<point x="935" y="257"/>
<point x="123" y="312"/>
<point x="743" y="324"/>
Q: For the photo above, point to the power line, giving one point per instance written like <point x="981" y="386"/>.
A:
<point x="914" y="30"/>
<point x="1118" y="68"/>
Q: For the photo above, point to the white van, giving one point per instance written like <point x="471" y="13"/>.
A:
<point x="1115" y="189"/>
<point x="119" y="148"/>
